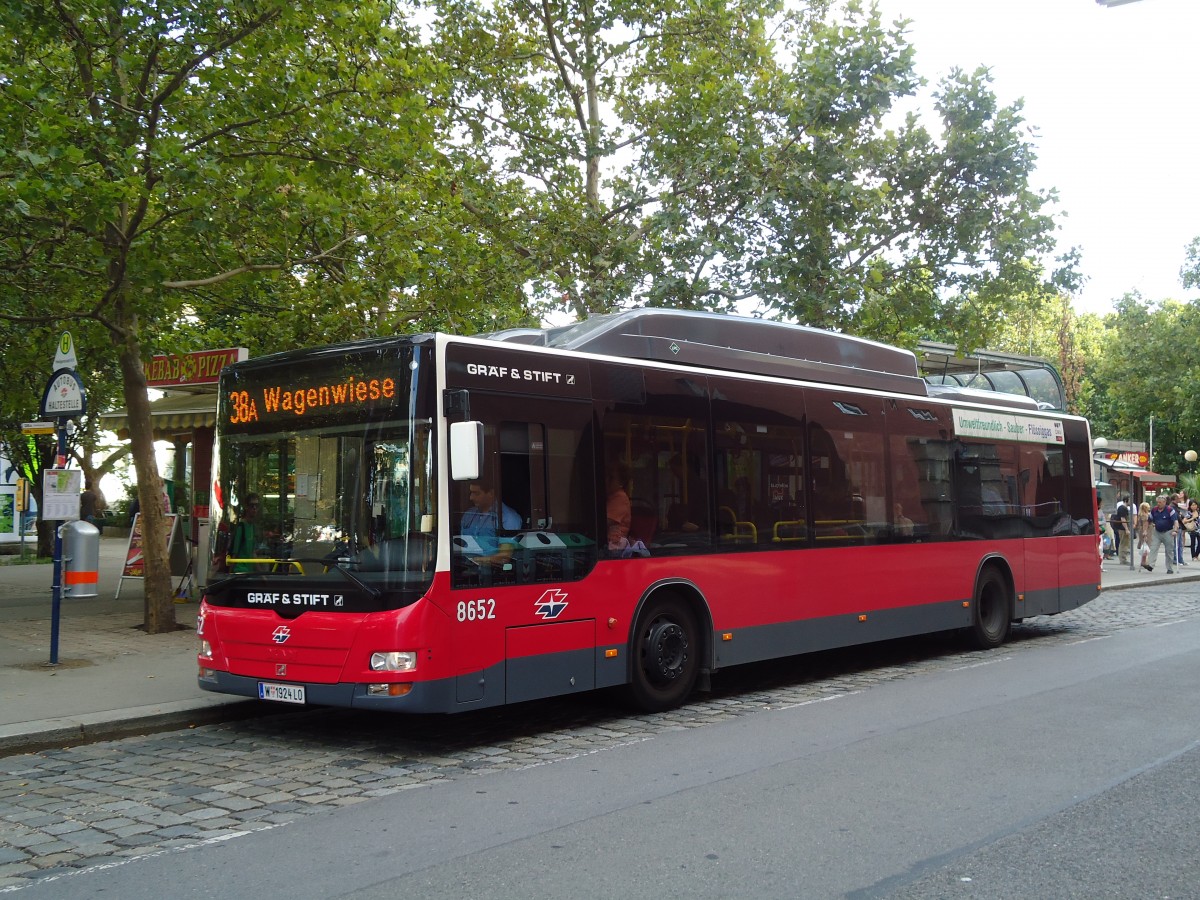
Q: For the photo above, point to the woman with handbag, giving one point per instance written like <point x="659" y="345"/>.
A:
<point x="1191" y="524"/>
<point x="1142" y="530"/>
<point x="1180" y="501"/>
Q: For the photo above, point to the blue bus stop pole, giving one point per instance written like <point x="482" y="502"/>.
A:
<point x="56" y="593"/>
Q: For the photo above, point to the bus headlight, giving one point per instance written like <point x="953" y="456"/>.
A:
<point x="205" y="649"/>
<point x="394" y="661"/>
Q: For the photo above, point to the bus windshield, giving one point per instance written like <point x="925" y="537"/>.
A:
<point x="335" y="492"/>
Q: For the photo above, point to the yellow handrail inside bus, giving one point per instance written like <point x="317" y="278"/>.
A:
<point x="742" y="531"/>
<point x="258" y="561"/>
<point x="844" y="530"/>
<point x="791" y="525"/>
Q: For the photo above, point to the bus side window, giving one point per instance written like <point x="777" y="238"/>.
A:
<point x="847" y="471"/>
<point x="758" y="451"/>
<point x="920" y="459"/>
<point x="657" y="425"/>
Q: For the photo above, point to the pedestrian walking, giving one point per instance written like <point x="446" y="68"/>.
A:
<point x="1164" y="519"/>
<point x="1181" y="507"/>
<point x="1191" y="524"/>
<point x="1120" y="527"/>
<point x="1142" y="528"/>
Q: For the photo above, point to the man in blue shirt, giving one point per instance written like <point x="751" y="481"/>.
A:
<point x="1165" y="520"/>
<point x="484" y="519"/>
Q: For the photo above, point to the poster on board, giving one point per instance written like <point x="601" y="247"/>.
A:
<point x="135" y="563"/>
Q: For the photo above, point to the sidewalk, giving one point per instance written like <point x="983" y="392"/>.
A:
<point x="1114" y="576"/>
<point x="113" y="679"/>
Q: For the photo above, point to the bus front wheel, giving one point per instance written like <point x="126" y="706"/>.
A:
<point x="991" y="616"/>
<point x="666" y="655"/>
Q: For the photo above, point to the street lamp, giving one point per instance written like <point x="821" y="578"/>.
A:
<point x="1190" y="455"/>
<point x="1099" y="445"/>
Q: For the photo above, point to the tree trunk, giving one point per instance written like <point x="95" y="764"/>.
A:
<point x="160" y="604"/>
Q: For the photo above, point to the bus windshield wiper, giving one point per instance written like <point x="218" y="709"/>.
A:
<point x="226" y="581"/>
<point x="335" y="564"/>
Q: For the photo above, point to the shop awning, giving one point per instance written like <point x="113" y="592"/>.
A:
<point x="169" y="416"/>
<point x="1151" y="480"/>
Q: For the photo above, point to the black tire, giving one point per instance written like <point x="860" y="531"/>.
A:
<point x="991" y="613"/>
<point x="666" y="655"/>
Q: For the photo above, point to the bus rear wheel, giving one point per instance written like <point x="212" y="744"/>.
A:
<point x="666" y="655"/>
<point x="991" y="614"/>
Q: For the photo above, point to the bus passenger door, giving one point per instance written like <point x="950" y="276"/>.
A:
<point x="1041" y="480"/>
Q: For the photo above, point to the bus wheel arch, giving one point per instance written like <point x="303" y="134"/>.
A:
<point x="992" y="606"/>
<point x="669" y="646"/>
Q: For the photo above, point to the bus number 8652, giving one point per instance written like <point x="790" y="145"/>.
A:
<point x="471" y="610"/>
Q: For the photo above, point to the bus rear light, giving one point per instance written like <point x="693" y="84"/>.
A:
<point x="394" y="661"/>
<point x="390" y="690"/>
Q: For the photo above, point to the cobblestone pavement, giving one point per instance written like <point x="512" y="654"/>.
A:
<point x="66" y="810"/>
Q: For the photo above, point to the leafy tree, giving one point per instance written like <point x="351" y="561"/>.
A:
<point x="1043" y="322"/>
<point x="1144" y="370"/>
<point x="165" y="161"/>
<point x="1079" y="350"/>
<point x="714" y="155"/>
<point x="1189" y="274"/>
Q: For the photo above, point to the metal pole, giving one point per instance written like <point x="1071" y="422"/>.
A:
<point x="21" y="516"/>
<point x="1131" y="519"/>
<point x="60" y="462"/>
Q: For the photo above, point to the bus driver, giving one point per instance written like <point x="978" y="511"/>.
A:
<point x="484" y="519"/>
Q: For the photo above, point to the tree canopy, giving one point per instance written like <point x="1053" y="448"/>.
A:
<point x="192" y="174"/>
<point x="1143" y="372"/>
<point x="743" y="154"/>
<point x="157" y="157"/>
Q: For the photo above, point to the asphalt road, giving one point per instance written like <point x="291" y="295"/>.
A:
<point x="1059" y="768"/>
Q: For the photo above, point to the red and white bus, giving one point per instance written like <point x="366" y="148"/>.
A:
<point x="642" y="499"/>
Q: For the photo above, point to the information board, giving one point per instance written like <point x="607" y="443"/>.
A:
<point x="60" y="494"/>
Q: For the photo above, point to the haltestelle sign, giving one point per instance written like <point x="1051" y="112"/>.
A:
<point x="200" y="367"/>
<point x="64" y="395"/>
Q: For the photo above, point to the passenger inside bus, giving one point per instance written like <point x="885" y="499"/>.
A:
<point x="618" y="509"/>
<point x="245" y="541"/>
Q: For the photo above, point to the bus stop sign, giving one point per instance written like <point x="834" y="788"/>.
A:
<point x="64" y="396"/>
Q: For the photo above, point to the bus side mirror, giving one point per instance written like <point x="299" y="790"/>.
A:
<point x="466" y="450"/>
